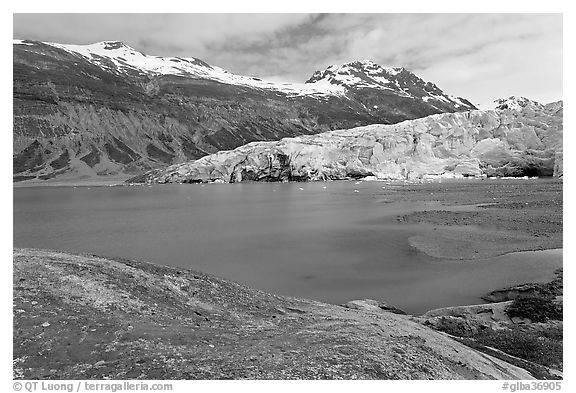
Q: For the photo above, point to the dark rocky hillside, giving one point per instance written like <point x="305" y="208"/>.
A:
<point x="107" y="109"/>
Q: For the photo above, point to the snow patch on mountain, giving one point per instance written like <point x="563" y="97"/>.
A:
<point x="516" y="103"/>
<point x="356" y="74"/>
<point x="22" y="42"/>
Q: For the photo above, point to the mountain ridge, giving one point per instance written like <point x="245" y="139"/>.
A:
<point x="81" y="112"/>
<point x="327" y="82"/>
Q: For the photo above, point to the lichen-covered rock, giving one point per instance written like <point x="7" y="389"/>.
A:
<point x="457" y="326"/>
<point x="552" y="289"/>
<point x="372" y="305"/>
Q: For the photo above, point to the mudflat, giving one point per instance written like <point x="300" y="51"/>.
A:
<point x="485" y="218"/>
<point x="75" y="181"/>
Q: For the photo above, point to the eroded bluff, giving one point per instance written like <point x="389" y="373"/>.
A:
<point x="524" y="142"/>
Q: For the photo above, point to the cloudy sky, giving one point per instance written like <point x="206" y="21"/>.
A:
<point x="477" y="56"/>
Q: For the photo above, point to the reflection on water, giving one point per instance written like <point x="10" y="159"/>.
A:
<point x="315" y="240"/>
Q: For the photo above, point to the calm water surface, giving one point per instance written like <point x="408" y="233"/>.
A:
<point x="323" y="241"/>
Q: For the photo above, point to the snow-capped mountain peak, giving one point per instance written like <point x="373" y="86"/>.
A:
<point x="516" y="103"/>
<point x="366" y="74"/>
<point x="117" y="56"/>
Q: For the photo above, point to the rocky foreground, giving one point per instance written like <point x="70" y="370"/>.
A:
<point x="82" y="316"/>
<point x="522" y="325"/>
<point x="520" y="140"/>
